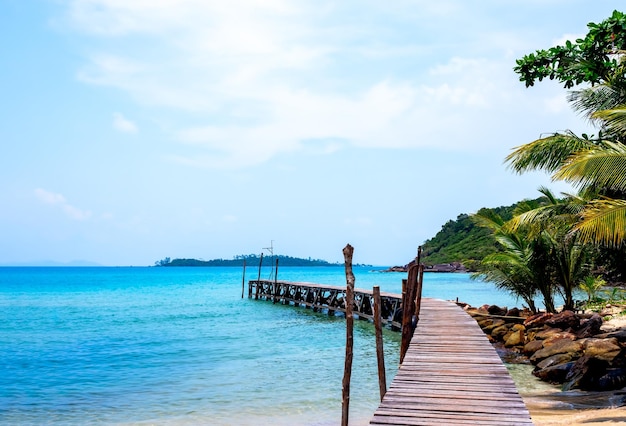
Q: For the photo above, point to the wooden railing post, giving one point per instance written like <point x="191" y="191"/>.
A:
<point x="380" y="353"/>
<point x="243" y="279"/>
<point x="347" y="372"/>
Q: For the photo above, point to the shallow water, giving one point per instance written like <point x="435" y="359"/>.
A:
<point x="180" y="346"/>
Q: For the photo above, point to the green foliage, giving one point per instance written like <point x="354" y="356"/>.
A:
<point x="462" y="240"/>
<point x="591" y="59"/>
<point x="251" y="260"/>
<point x="591" y="285"/>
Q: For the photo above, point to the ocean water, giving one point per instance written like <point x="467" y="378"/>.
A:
<point x="177" y="346"/>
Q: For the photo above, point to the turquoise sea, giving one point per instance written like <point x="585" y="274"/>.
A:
<point x="175" y="346"/>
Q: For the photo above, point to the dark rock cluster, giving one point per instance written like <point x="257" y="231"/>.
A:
<point x="566" y="348"/>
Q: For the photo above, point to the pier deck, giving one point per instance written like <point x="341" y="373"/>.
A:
<point x="451" y="375"/>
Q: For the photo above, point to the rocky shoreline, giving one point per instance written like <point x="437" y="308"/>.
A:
<point x="576" y="350"/>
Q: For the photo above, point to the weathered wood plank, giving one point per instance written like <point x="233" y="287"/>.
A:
<point x="451" y="375"/>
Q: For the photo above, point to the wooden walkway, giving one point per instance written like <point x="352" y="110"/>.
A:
<point x="451" y="375"/>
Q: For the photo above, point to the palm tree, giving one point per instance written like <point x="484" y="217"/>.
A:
<point x="518" y="268"/>
<point x="549" y="225"/>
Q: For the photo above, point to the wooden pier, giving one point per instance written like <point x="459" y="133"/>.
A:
<point x="451" y="375"/>
<point x="328" y="298"/>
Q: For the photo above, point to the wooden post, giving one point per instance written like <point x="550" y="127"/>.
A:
<point x="408" y="309"/>
<point x="258" y="281"/>
<point x="380" y="354"/>
<point x="243" y="279"/>
<point x="420" y="277"/>
<point x="347" y="372"/>
<point x="276" y="292"/>
<point x="420" y="286"/>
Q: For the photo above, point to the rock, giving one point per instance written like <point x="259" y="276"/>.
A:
<point x="555" y="373"/>
<point x="554" y="360"/>
<point x="513" y="312"/>
<point x="620" y="335"/>
<point x="579" y="376"/>
<point x="532" y="347"/>
<point x="496" y="310"/>
<point x="590" y="327"/>
<point x="604" y="349"/>
<point x="537" y="320"/>
<point x="495" y="323"/>
<point x="556" y="336"/>
<point x="498" y="333"/>
<point x="593" y="374"/>
<point x="560" y="346"/>
<point x="516" y="338"/>
<point x="564" y="320"/>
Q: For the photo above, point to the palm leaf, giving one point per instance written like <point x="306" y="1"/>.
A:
<point x="547" y="153"/>
<point x="600" y="167"/>
<point x="604" y="222"/>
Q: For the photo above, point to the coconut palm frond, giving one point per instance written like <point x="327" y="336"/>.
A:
<point x="547" y="153"/>
<point x="595" y="98"/>
<point x="604" y="222"/>
<point x="599" y="167"/>
<point x="487" y="218"/>
<point x="613" y="119"/>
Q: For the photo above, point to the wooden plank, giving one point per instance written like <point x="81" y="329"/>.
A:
<point x="451" y="375"/>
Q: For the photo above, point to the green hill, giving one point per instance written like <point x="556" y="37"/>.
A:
<point x="461" y="240"/>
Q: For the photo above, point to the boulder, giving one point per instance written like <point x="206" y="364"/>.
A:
<point x="590" y="327"/>
<point x="557" y="336"/>
<point x="516" y="338"/>
<point x="532" y="347"/>
<point x="537" y="320"/>
<point x="593" y="374"/>
<point x="564" y="320"/>
<point x="607" y="350"/>
<point x="496" y="310"/>
<point x="513" y="312"/>
<point x="495" y="323"/>
<point x="498" y="333"/>
<point x="554" y="373"/>
<point x="560" y="346"/>
<point x="620" y="335"/>
<point x="554" y="360"/>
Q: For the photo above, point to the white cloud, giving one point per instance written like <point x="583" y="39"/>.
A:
<point x="263" y="78"/>
<point x="59" y="200"/>
<point x="123" y="124"/>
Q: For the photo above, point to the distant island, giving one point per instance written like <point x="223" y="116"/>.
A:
<point x="251" y="260"/>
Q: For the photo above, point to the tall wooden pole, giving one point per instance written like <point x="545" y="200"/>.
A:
<point x="347" y="372"/>
<point x="243" y="279"/>
<point x="420" y="277"/>
<point x="275" y="298"/>
<point x="408" y="309"/>
<point x="258" y="281"/>
<point x="380" y="353"/>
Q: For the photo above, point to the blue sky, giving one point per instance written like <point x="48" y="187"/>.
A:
<point x="136" y="130"/>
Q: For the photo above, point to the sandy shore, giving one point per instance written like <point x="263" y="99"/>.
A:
<point x="547" y="416"/>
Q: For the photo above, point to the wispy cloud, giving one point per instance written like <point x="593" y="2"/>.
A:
<point x="58" y="200"/>
<point x="123" y="125"/>
<point x="267" y="77"/>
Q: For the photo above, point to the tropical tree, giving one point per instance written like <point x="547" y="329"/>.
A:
<point x="596" y="166"/>
<point x="593" y="59"/>
<point x="519" y="267"/>
<point x="566" y="256"/>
